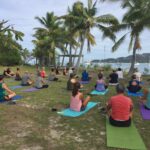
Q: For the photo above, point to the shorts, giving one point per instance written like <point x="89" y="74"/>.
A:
<point x="82" y="108"/>
<point x="116" y="123"/>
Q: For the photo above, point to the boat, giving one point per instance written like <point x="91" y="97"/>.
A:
<point x="137" y="64"/>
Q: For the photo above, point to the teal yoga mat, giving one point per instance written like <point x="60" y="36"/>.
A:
<point x="94" y="92"/>
<point x="124" y="137"/>
<point x="70" y="113"/>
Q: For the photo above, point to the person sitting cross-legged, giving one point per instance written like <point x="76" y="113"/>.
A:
<point x="85" y="76"/>
<point x="134" y="85"/>
<point x="5" y="92"/>
<point x="52" y="76"/>
<point x="77" y="102"/>
<point x="40" y="83"/>
<point x="113" y="78"/>
<point x="18" y="75"/>
<point x="146" y="97"/>
<point x="120" y="108"/>
<point x="26" y="79"/>
<point x="100" y="85"/>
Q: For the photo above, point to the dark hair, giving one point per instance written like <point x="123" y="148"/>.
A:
<point x="100" y="76"/>
<point x="119" y="69"/>
<point x="71" y="75"/>
<point x="120" y="88"/>
<point x="114" y="70"/>
<point x="133" y="76"/>
<point x="18" y="69"/>
<point x="52" y="69"/>
<point x="76" y="88"/>
<point x="1" y="77"/>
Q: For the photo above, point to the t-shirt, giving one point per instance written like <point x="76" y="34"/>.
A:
<point x="25" y="79"/>
<point x="120" y="107"/>
<point x="133" y="86"/>
<point x="113" y="78"/>
<point x="70" y="85"/>
<point x="148" y="99"/>
<point x="38" y="82"/>
<point x="51" y="76"/>
<point x="85" y="76"/>
<point x="120" y="74"/>
<point x="138" y="76"/>
<point x="43" y="74"/>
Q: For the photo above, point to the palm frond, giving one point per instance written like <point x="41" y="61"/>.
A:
<point x="118" y="43"/>
<point x="107" y="19"/>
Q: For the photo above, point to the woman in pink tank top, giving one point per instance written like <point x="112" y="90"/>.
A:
<point x="77" y="102"/>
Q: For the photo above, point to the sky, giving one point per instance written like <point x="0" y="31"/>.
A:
<point x="21" y="14"/>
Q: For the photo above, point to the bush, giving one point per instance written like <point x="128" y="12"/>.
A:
<point x="10" y="58"/>
<point x="107" y="67"/>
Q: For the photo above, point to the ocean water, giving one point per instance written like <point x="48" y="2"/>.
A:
<point x="126" y="66"/>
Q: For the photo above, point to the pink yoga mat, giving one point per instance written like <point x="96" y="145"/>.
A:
<point x="145" y="113"/>
<point x="30" y="89"/>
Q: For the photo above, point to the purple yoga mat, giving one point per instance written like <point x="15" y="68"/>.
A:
<point x="145" y="113"/>
<point x="84" y="82"/>
<point x="30" y="89"/>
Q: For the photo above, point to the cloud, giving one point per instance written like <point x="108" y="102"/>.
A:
<point x="21" y="14"/>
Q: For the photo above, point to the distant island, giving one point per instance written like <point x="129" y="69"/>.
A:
<point x="140" y="58"/>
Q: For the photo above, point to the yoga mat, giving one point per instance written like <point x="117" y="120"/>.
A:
<point x="83" y="82"/>
<point x="124" y="137"/>
<point x="144" y="112"/>
<point x="17" y="97"/>
<point x="16" y="87"/>
<point x="94" y="92"/>
<point x="30" y="90"/>
<point x="70" y="113"/>
<point x="135" y="94"/>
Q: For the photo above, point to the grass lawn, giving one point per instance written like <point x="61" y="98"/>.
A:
<point x="31" y="125"/>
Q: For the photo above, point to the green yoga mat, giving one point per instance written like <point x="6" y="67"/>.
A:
<point x="124" y="137"/>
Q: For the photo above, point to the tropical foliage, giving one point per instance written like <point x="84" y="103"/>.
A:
<point x="135" y="20"/>
<point x="75" y="26"/>
<point x="9" y="47"/>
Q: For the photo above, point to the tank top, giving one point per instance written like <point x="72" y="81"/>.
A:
<point x="2" y="92"/>
<point x="100" y="86"/>
<point x="148" y="99"/>
<point x="76" y="102"/>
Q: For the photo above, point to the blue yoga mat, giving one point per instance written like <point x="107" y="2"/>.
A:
<point x="16" y="87"/>
<point x="70" y="113"/>
<point x="135" y="94"/>
<point x="17" y="97"/>
<point x="94" y="92"/>
<point x="84" y="82"/>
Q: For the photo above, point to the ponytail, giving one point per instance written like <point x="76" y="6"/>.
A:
<point x="75" y="89"/>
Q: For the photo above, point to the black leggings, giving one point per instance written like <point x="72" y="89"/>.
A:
<point x="44" y="86"/>
<point x="120" y="123"/>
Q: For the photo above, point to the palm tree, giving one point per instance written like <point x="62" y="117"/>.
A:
<point x="51" y="33"/>
<point x="84" y="19"/>
<point x="136" y="19"/>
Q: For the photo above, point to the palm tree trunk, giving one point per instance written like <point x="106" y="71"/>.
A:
<point x="62" y="64"/>
<point x="131" y="70"/>
<point x="75" y="53"/>
<point x="80" y="55"/>
<point x="54" y="58"/>
<point x="70" y="56"/>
